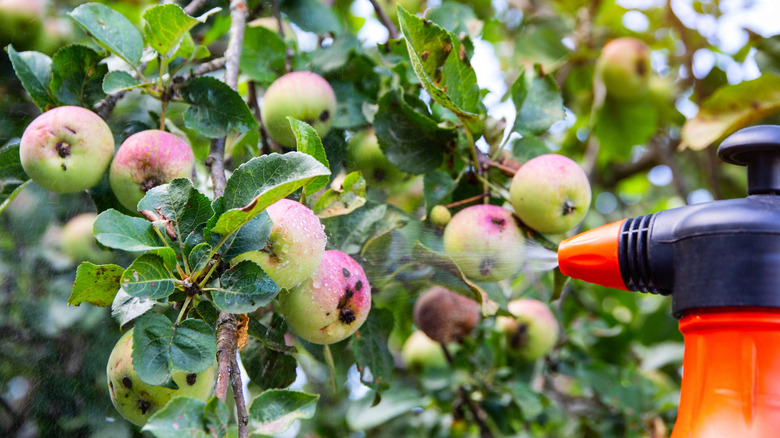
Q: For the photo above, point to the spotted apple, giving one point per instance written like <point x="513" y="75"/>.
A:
<point x="445" y="316"/>
<point x="624" y="67"/>
<point x="532" y="330"/>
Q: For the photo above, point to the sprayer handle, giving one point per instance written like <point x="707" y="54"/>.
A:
<point x="758" y="148"/>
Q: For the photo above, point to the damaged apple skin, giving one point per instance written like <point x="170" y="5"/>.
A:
<point x="67" y="149"/>
<point x="331" y="305"/>
<point x="137" y="401"/>
<point x="295" y="246"/>
<point x="445" y="316"/>
<point x="145" y="160"/>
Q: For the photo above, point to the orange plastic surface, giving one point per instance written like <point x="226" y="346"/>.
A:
<point x="731" y="375"/>
<point x="593" y="256"/>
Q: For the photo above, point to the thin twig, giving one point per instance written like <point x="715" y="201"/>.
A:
<point x="251" y="100"/>
<point x="238" y="395"/>
<point x="385" y="20"/>
<point x="194" y="5"/>
<point x="226" y="353"/>
<point x="289" y="52"/>
<point x="467" y="200"/>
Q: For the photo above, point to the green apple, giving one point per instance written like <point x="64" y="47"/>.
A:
<point x="331" y="305"/>
<point x="302" y="95"/>
<point x="365" y="155"/>
<point x="532" y="331"/>
<point x="440" y="216"/>
<point x="77" y="242"/>
<point x="624" y="67"/>
<point x="271" y="23"/>
<point x="485" y="242"/>
<point x="294" y="248"/>
<point x="550" y="193"/>
<point x="145" y="160"/>
<point x="67" y="149"/>
<point x="421" y="351"/>
<point x="445" y="316"/>
<point x="135" y="400"/>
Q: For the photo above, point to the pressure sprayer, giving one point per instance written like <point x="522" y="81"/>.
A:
<point x="720" y="262"/>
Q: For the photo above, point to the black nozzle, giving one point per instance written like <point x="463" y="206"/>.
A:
<point x="758" y="148"/>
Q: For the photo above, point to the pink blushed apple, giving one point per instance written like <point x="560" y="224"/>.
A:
<point x="331" y="305"/>
<point x="67" y="149"/>
<point x="624" y="67"/>
<point x="532" y="331"/>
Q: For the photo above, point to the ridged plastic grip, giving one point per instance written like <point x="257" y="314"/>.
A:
<point x="633" y="249"/>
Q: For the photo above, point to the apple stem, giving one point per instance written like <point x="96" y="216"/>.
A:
<point x="331" y="366"/>
<point x="385" y="20"/>
<point x="183" y="309"/>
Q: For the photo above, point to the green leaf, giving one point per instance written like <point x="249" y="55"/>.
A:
<point x="309" y="143"/>
<point x="621" y="125"/>
<point x="34" y="71"/>
<point x="159" y="348"/>
<point x="181" y="203"/>
<point x="262" y="181"/>
<point x="730" y="108"/>
<point x="77" y="76"/>
<point x="348" y="233"/>
<point x="559" y="281"/>
<point x="199" y="257"/>
<point x="119" y="80"/>
<point x="166" y="25"/>
<point x="216" y="415"/>
<point x="437" y="186"/>
<point x="116" y="230"/>
<point x="96" y="285"/>
<point x="268" y="368"/>
<point x="312" y="16"/>
<point x="350" y="196"/>
<point x="147" y="277"/>
<point x="275" y="410"/>
<point x="370" y="347"/>
<point x="263" y="55"/>
<point x="215" y="108"/>
<point x="244" y="288"/>
<point x="12" y="176"/>
<point x="411" y="141"/>
<point x="252" y="236"/>
<point x="538" y="102"/>
<point x="442" y="64"/>
<point x="126" y="308"/>
<point x="111" y="30"/>
<point x="182" y="416"/>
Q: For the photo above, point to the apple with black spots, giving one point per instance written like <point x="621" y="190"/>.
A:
<point x="624" y="67"/>
<point x="532" y="330"/>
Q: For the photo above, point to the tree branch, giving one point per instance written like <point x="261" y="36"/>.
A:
<point x="385" y="20"/>
<point x="238" y="395"/>
<point x="289" y="52"/>
<point x="193" y="7"/>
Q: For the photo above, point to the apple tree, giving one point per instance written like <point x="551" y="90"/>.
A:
<point x="339" y="218"/>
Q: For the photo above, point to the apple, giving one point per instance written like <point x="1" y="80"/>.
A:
<point x="77" y="242"/>
<point x="550" y="193"/>
<point x="145" y="160"/>
<point x="365" y="155"/>
<point x="624" y="67"/>
<point x="21" y="22"/>
<point x="332" y="304"/>
<point x="532" y="331"/>
<point x="445" y="316"/>
<point x="271" y="23"/>
<point x="440" y="216"/>
<point x="302" y="95"/>
<point x="66" y="149"/>
<point x="135" y="400"/>
<point x="294" y="248"/>
<point x="485" y="242"/>
<point x="421" y="351"/>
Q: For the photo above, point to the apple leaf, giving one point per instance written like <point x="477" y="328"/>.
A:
<point x="445" y="267"/>
<point x="244" y="288"/>
<point x="262" y="181"/>
<point x="216" y="416"/>
<point x="349" y="232"/>
<point x="165" y="26"/>
<point x="356" y="85"/>
<point x="437" y="186"/>
<point x="263" y="55"/>
<point x="266" y="367"/>
<point x="345" y="200"/>
<point x="182" y="416"/>
<point x="181" y="203"/>
<point x="95" y="284"/>
<point x="116" y="230"/>
<point x="442" y="64"/>
<point x="730" y="108"/>
<point x="199" y="257"/>
<point x="410" y="139"/>
<point x="111" y="30"/>
<point x="275" y="410"/>
<point x="12" y="176"/>
<point x="77" y="76"/>
<point x="371" y="352"/>
<point x="252" y="236"/>
<point x="34" y="71"/>
<point x="310" y="143"/>
<point x="311" y="16"/>
<point x="148" y="277"/>
<point x="119" y="80"/>
<point x="160" y="348"/>
<point x="537" y="100"/>
<point x="126" y="308"/>
<point x="215" y="108"/>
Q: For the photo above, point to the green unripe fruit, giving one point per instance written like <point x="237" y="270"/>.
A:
<point x="624" y="67"/>
<point x="421" y="351"/>
<point x="302" y="95"/>
<point x="67" y="149"/>
<point x="77" y="242"/>
<point x="445" y="316"/>
<point x="550" y="193"/>
<point x="135" y="400"/>
<point x="365" y="155"/>
<point x="440" y="215"/>
<point x="532" y="331"/>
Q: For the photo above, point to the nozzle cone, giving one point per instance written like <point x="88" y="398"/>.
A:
<point x="593" y="256"/>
